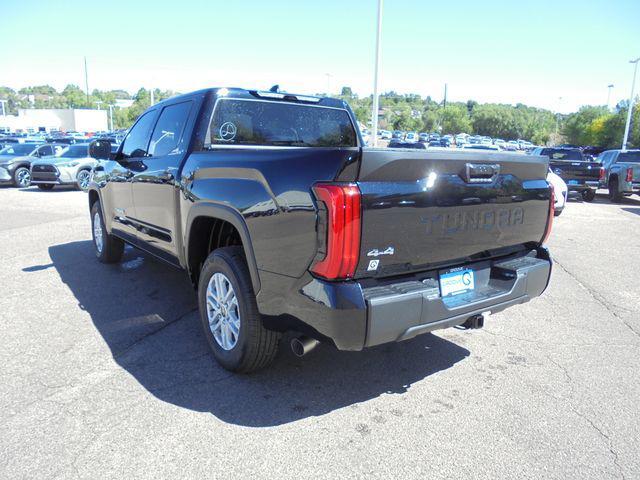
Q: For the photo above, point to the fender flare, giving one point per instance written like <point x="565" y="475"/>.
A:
<point x="231" y="215"/>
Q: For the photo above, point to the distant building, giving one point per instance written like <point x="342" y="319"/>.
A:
<point x="33" y="120"/>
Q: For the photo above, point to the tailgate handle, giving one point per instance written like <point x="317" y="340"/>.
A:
<point x="481" y="172"/>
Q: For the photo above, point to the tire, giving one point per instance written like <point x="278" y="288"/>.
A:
<point x="588" y="195"/>
<point x="109" y="249"/>
<point x="239" y="340"/>
<point x="614" y="191"/>
<point x="45" y="186"/>
<point x="82" y="180"/>
<point x="22" y="177"/>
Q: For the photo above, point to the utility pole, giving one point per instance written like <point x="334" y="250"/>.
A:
<point x="86" y="78"/>
<point x="633" y="89"/>
<point x="151" y="93"/>
<point x="4" y="113"/>
<point x="444" y="104"/>
<point x="375" y="107"/>
<point x="609" y="95"/>
<point x="110" y="117"/>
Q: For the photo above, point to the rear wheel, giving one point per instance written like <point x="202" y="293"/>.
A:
<point x="229" y="314"/>
<point x="108" y="248"/>
<point x="588" y="195"/>
<point x="45" y="186"/>
<point x="83" y="178"/>
<point x="22" y="177"/>
<point x="614" y="191"/>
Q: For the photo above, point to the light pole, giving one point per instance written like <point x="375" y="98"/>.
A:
<point x="151" y="99"/>
<point x="375" y="107"/>
<point x="99" y="102"/>
<point x="328" y="84"/>
<point x="609" y="95"/>
<point x="558" y="116"/>
<point x="633" y="89"/>
<point x="3" y="110"/>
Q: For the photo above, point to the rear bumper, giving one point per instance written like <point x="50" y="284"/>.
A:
<point x="582" y="185"/>
<point x="355" y="316"/>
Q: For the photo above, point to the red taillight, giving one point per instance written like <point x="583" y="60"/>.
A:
<point x="629" y="174"/>
<point x="343" y="230"/>
<point x="601" y="178"/>
<point x="552" y="210"/>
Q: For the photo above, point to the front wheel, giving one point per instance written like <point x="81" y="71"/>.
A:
<point x="229" y="313"/>
<point x="109" y="249"/>
<point x="83" y="178"/>
<point x="588" y="195"/>
<point x="22" y="177"/>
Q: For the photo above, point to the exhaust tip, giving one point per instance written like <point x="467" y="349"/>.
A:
<point x="300" y="346"/>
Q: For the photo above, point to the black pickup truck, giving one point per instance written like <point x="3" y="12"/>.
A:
<point x="580" y="174"/>
<point x="284" y="222"/>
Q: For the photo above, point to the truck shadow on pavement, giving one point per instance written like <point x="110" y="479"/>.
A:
<point x="147" y="314"/>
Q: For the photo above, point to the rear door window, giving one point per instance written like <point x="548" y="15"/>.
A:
<point x="167" y="134"/>
<point x="629" y="157"/>
<point x="257" y="122"/>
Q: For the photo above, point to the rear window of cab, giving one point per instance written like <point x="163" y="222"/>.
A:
<point x="278" y="124"/>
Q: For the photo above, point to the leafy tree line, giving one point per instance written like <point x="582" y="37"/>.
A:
<point x="72" y="96"/>
<point x="591" y="125"/>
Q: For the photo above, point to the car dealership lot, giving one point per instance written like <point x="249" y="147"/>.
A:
<point x="105" y="372"/>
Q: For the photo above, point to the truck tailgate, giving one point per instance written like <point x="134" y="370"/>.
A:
<point x="578" y="172"/>
<point x="426" y="210"/>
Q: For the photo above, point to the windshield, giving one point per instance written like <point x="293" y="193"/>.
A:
<point x="630" y="157"/>
<point x="560" y="154"/>
<point x="74" y="151"/>
<point x="18" y="149"/>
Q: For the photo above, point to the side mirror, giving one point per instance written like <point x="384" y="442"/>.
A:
<point x="100" y="149"/>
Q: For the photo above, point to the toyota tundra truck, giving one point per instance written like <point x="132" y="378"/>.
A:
<point x="285" y="223"/>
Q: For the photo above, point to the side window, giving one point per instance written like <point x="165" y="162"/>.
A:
<point x="45" y="151"/>
<point x="135" y="145"/>
<point x="167" y="135"/>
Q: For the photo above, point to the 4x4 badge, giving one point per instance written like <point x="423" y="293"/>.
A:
<point x="376" y="253"/>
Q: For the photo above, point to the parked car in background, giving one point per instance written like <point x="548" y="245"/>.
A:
<point x="16" y="159"/>
<point x="385" y="134"/>
<point x="620" y="173"/>
<point x="511" y="146"/>
<point x="411" y="137"/>
<point x="424" y="137"/>
<point x="72" y="166"/>
<point x="560" y="192"/>
<point x="500" y="143"/>
<point x="397" y="144"/>
<point x="397" y="135"/>
<point x="578" y="173"/>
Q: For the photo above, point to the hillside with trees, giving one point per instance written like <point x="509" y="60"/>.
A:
<point x="591" y="125"/>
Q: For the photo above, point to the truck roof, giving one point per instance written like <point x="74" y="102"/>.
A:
<point x="234" y="92"/>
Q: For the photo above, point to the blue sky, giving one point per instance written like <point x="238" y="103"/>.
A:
<point x="492" y="51"/>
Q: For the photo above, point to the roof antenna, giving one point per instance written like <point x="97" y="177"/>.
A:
<point x="275" y="88"/>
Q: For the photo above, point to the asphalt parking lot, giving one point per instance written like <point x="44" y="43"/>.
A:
<point x="105" y="373"/>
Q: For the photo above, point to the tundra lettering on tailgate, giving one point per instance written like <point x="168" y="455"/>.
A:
<point x="469" y="221"/>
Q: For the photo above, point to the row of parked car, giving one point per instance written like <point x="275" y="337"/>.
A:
<point x="49" y="161"/>
<point x="401" y="139"/>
